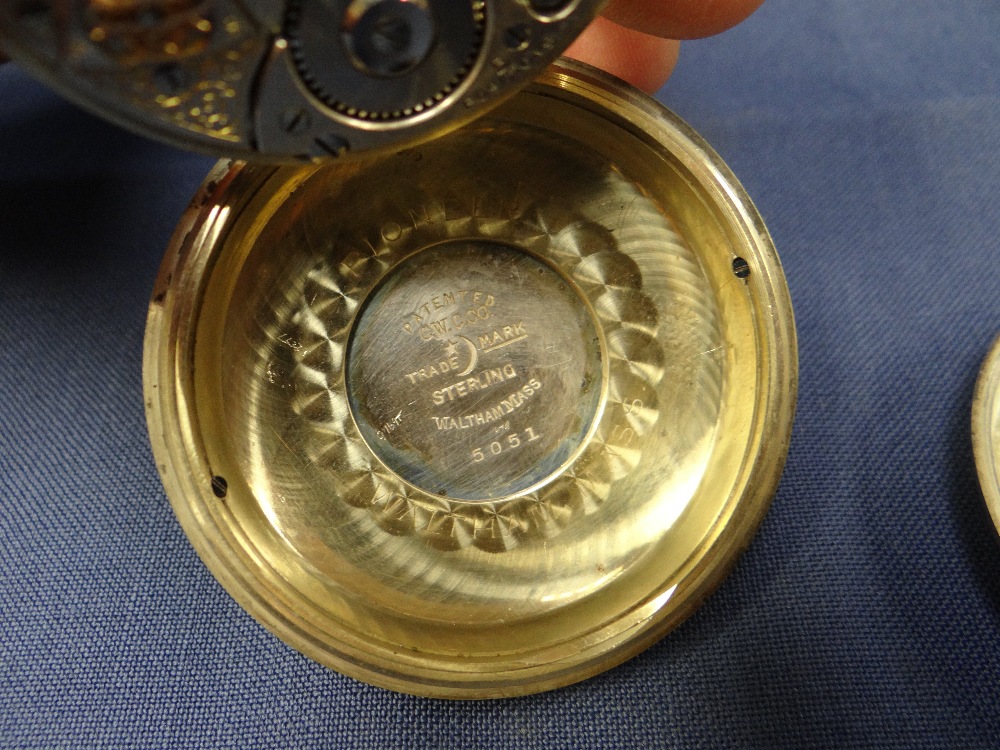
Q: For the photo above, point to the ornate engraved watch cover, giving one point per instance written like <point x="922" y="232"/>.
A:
<point x="290" y="80"/>
<point x="484" y="416"/>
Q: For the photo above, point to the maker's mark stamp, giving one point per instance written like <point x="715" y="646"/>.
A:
<point x="507" y="341"/>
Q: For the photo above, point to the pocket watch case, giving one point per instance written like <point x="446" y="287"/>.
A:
<point x="481" y="417"/>
<point x="986" y="430"/>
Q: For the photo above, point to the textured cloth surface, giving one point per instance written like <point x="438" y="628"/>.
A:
<point x="867" y="610"/>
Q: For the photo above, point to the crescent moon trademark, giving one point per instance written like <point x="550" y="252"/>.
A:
<point x="473" y="357"/>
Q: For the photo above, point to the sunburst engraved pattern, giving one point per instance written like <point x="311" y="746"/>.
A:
<point x="587" y="253"/>
<point x="347" y="228"/>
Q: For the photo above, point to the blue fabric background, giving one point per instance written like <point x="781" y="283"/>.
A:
<point x="867" y="610"/>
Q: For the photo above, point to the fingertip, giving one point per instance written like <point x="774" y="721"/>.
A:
<point x="644" y="61"/>
<point x="680" y="19"/>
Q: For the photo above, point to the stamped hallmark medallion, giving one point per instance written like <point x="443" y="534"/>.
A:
<point x="475" y="371"/>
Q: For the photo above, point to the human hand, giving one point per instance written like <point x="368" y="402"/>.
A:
<point x="637" y="40"/>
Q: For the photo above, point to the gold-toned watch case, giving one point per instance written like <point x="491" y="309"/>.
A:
<point x="986" y="430"/>
<point x="486" y="416"/>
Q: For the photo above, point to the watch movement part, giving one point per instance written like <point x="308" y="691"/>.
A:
<point x="290" y="81"/>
